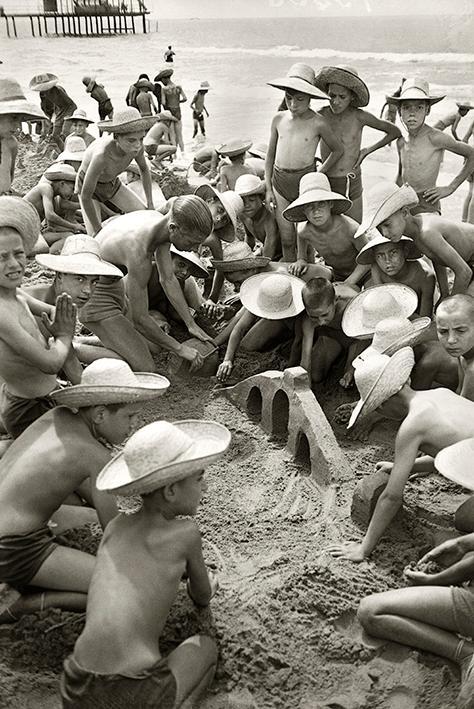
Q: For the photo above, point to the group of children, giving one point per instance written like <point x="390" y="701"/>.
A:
<point x="344" y="285"/>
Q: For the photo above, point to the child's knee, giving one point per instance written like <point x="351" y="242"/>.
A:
<point x="369" y="608"/>
<point x="464" y="516"/>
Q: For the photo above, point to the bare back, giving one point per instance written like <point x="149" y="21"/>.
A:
<point x="460" y="235"/>
<point x="136" y="239"/>
<point x="442" y="418"/>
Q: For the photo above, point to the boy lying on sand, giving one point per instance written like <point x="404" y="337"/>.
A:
<point x="140" y="563"/>
<point x="53" y="458"/>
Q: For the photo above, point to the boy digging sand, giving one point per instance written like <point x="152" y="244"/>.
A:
<point x="140" y="564"/>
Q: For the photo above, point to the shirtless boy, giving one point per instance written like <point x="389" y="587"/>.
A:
<point x="198" y="108"/>
<point x="79" y="123"/>
<point x="157" y="142"/>
<point x="97" y="180"/>
<point x="140" y="563"/>
<point x="259" y="223"/>
<point x="421" y="152"/>
<point x="172" y="95"/>
<point x="235" y="151"/>
<point x="324" y="230"/>
<point x="61" y="452"/>
<point x="55" y="103"/>
<point x="347" y="95"/>
<point x="453" y="119"/>
<point x="99" y="94"/>
<point x="143" y="99"/>
<point x="294" y="137"/>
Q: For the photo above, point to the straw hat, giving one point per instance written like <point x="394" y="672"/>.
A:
<point x="378" y="378"/>
<point x="13" y="101"/>
<point x="259" y="150"/>
<point x="315" y="187"/>
<point x="415" y="89"/>
<point x="374" y="304"/>
<point x="59" y="171"/>
<point x="234" y="147"/>
<point x="464" y="104"/>
<point x="204" y="86"/>
<point x="300" y="77"/>
<point x="366" y="255"/>
<point x="394" y="333"/>
<point x="20" y="215"/>
<point x="232" y="203"/>
<point x="383" y="200"/>
<point x="165" y="72"/>
<point x="454" y="463"/>
<point x="273" y="296"/>
<point x="128" y="120"/>
<point x="247" y="185"/>
<point x="80" y="255"/>
<point x="79" y="115"/>
<point x="345" y="76"/>
<point x="198" y="270"/>
<point x="144" y="84"/>
<point x="111" y="381"/>
<point x="239" y="257"/>
<point x="74" y="149"/>
<point x="166" y="116"/>
<point x="43" y="82"/>
<point x="89" y="82"/>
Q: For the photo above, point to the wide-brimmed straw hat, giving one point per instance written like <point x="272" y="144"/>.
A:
<point x="233" y="205"/>
<point x="198" y="270"/>
<point x="80" y="255"/>
<point x="20" y="215"/>
<point x="415" y="89"/>
<point x="74" y="149"/>
<point x="374" y="304"/>
<point x="394" y="333"/>
<point x="166" y="116"/>
<point x="315" y="187"/>
<point x="43" y="82"/>
<point x="247" y="185"/>
<point x="454" y="463"/>
<point x="272" y="296"/>
<point x="144" y="84"/>
<point x="204" y="86"/>
<point x="366" y="255"/>
<point x="234" y="147"/>
<point x="13" y="102"/>
<point x="258" y="150"/>
<point x="79" y="115"/>
<point x="163" y="453"/>
<point x="239" y="256"/>
<point x="111" y="381"/>
<point x="345" y="76"/>
<point x="378" y="378"/>
<point x="59" y="171"/>
<point x="465" y="104"/>
<point x="383" y="200"/>
<point x="300" y="77"/>
<point x="127" y="120"/>
<point x="165" y="72"/>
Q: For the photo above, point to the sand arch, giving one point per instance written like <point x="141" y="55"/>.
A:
<point x="254" y="403"/>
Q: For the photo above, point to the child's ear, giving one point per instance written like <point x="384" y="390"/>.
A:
<point x="98" y="414"/>
<point x="428" y="109"/>
<point x="169" y="492"/>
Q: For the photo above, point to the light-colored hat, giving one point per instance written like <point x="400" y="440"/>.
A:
<point x="247" y="185"/>
<point x="234" y="147"/>
<point x="455" y="463"/>
<point x="300" y="77"/>
<point x="383" y="200"/>
<point x="79" y="115"/>
<point x="163" y="453"/>
<point x="20" y="215"/>
<point x="366" y="255"/>
<point x="415" y="89"/>
<point x="374" y="304"/>
<point x="273" y="296"/>
<point x="464" y="104"/>
<point x="165" y="72"/>
<point x="198" y="270"/>
<point x="166" y="116"/>
<point x="204" y="86"/>
<point x="43" y="82"/>
<point x="74" y="149"/>
<point x="239" y="256"/>
<point x="345" y="76"/>
<point x="111" y="381"/>
<point x="144" y="84"/>
<point x="80" y="255"/>
<point x="259" y="150"/>
<point x="233" y="205"/>
<point x="378" y="378"/>
<point x="13" y="102"/>
<point x="59" y="171"/>
<point x="394" y="333"/>
<point x="127" y="120"/>
<point x="315" y="187"/>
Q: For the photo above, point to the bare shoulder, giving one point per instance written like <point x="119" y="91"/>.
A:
<point x="325" y="112"/>
<point x="186" y="533"/>
<point x="351" y="226"/>
<point x="421" y="416"/>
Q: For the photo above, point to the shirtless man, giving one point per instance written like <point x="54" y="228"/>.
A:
<point x="260" y="224"/>
<point x="294" y="137"/>
<point x="347" y="95"/>
<point x="172" y="96"/>
<point x="61" y="452"/>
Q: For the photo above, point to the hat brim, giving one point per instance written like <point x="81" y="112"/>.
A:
<point x="210" y="441"/>
<point x="79" y="118"/>
<point x="231" y="152"/>
<point x="454" y="463"/>
<point x="295" y="211"/>
<point x="366" y="255"/>
<point x="197" y="269"/>
<point x="294" y="84"/>
<point x="20" y="215"/>
<point x="81" y="264"/>
<point x="464" y="105"/>
<point x="80" y="395"/>
<point x="397" y="100"/>
<point x="45" y="86"/>
<point x="255" y="152"/>
<point x="60" y="176"/>
<point x="352" y="324"/>
<point x="166" y="73"/>
<point x="257" y="190"/>
<point x="227" y="232"/>
<point x="171" y="118"/>
<point x="249" y="291"/>
<point x="421" y="327"/>
<point x="23" y="109"/>
<point x="389" y="382"/>
<point x="143" y="123"/>
<point x="405" y="196"/>
<point x="241" y="264"/>
<point x="337" y="75"/>
<point x="67" y="155"/>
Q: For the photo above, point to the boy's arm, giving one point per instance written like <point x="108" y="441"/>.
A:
<point x="454" y="126"/>
<point x="441" y="273"/>
<point x="87" y="189"/>
<point x="223" y="183"/>
<point x="307" y="328"/>
<point x="300" y="266"/>
<point x="182" y="95"/>
<point x="295" y="351"/>
<point x="240" y="328"/>
<point x="425" y="307"/>
<point x="390" y="129"/>
<point x="104" y="503"/>
<point x="375" y="276"/>
<point x="269" y="163"/>
<point x="199" y="587"/>
<point x="353" y="351"/>
<point x="51" y="215"/>
<point x="446" y="142"/>
<point x="272" y="237"/>
<point x="146" y="178"/>
<point x="36" y="306"/>
<point x="448" y="256"/>
<point x="193" y="102"/>
<point x="469" y="133"/>
<point x="357" y="274"/>
<point x="336" y="148"/>
<point x="399" y="178"/>
<point x="467" y="385"/>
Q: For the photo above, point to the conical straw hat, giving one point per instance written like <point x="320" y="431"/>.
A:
<point x="394" y="333"/>
<point x="13" y="102"/>
<point x="20" y="215"/>
<point x="383" y="200"/>
<point x="366" y="255"/>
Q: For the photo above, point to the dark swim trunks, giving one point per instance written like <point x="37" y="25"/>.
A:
<point x="350" y="187"/>
<point x="287" y="182"/>
<point x="198" y="116"/>
<point x="22" y="555"/>
<point x="103" y="190"/>
<point x="151" y="689"/>
<point x="18" y="413"/>
<point x="425" y="207"/>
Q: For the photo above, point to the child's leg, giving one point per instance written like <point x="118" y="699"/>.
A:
<point x="178" y="126"/>
<point x="65" y="569"/>
<point x="324" y="354"/>
<point x="201" y="124"/>
<point x="286" y="228"/>
<point x="195" y="127"/>
<point x="89" y="228"/>
<point x="468" y="206"/>
<point x="193" y="664"/>
<point x="263" y="335"/>
<point x="34" y="602"/>
<point x="119" y="335"/>
<point x="126" y="200"/>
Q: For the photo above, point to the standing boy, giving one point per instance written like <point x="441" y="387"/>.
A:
<point x="172" y="95"/>
<point x="99" y="94"/>
<point x="55" y="102"/>
<point x="228" y="174"/>
<point x="198" y="108"/>
<point x="144" y="101"/>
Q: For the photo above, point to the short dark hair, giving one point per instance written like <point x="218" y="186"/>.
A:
<point x="191" y="212"/>
<point x="318" y="291"/>
<point x="462" y="299"/>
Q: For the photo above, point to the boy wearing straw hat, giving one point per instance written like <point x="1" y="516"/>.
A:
<point x="157" y="142"/>
<point x="198" y="108"/>
<point x="172" y="96"/>
<point x="140" y="564"/>
<point x="421" y="152"/>
<point x="99" y="94"/>
<point x="235" y="151"/>
<point x="259" y="223"/>
<point x="294" y="137"/>
<point x="62" y="452"/>
<point x="55" y="102"/>
<point x="79" y="123"/>
<point x="143" y="99"/>
<point x="348" y="95"/>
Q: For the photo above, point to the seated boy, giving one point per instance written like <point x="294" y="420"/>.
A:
<point x="61" y="452"/>
<point x="79" y="123"/>
<point x="140" y="563"/>
<point x="399" y="263"/>
<point x="157" y="142"/>
<point x="234" y="150"/>
<point x="324" y="230"/>
<point x="259" y="223"/>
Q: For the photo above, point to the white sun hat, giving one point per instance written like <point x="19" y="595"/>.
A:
<point x="232" y="203"/>
<point x="383" y="200"/>
<point x="394" y="333"/>
<point x="300" y="77"/>
<point x="366" y="255"/>
<point x="415" y="89"/>
<point x="74" y="149"/>
<point x="374" y="304"/>
<point x="315" y="187"/>
<point x="80" y="255"/>
<point x="247" y="185"/>
<point x="273" y="296"/>
<point x="455" y="463"/>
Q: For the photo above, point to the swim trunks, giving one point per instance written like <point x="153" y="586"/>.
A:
<point x="18" y="413"/>
<point x="105" y="109"/>
<point x="108" y="299"/>
<point x="344" y="185"/>
<point x="425" y="207"/>
<point x="463" y="609"/>
<point x="104" y="191"/>
<point x="22" y="555"/>
<point x="287" y="182"/>
<point x="198" y="116"/>
<point x="150" y="689"/>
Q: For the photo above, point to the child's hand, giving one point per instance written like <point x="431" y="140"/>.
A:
<point x="64" y="322"/>
<point x="435" y="193"/>
<point x="362" y="155"/>
<point x="211" y="309"/>
<point x="347" y="379"/>
<point x="446" y="554"/>
<point x="224" y="371"/>
<point x="298" y="268"/>
<point x="383" y="466"/>
<point x="270" y="202"/>
<point x="191" y="355"/>
<point x="195" y="331"/>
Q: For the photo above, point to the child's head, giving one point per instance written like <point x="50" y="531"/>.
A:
<point x="319" y="298"/>
<point x="12" y="258"/>
<point x="413" y="113"/>
<point x="297" y="102"/>
<point x="252" y="190"/>
<point x="414" y="103"/>
<point x="78" y="286"/>
<point x="239" y="263"/>
<point x="144" y="85"/>
<point x="235" y="150"/>
<point x="455" y="324"/>
<point x="388" y="210"/>
<point x="62" y="178"/>
<point x="464" y="108"/>
<point x="318" y="213"/>
<point x="340" y="98"/>
<point x="389" y="256"/>
<point x="20" y="227"/>
<point x="129" y="129"/>
<point x="224" y="207"/>
<point x="9" y="124"/>
<point x="316" y="202"/>
<point x="190" y="222"/>
<point x="14" y="107"/>
<point x="186" y="264"/>
<point x="344" y="87"/>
